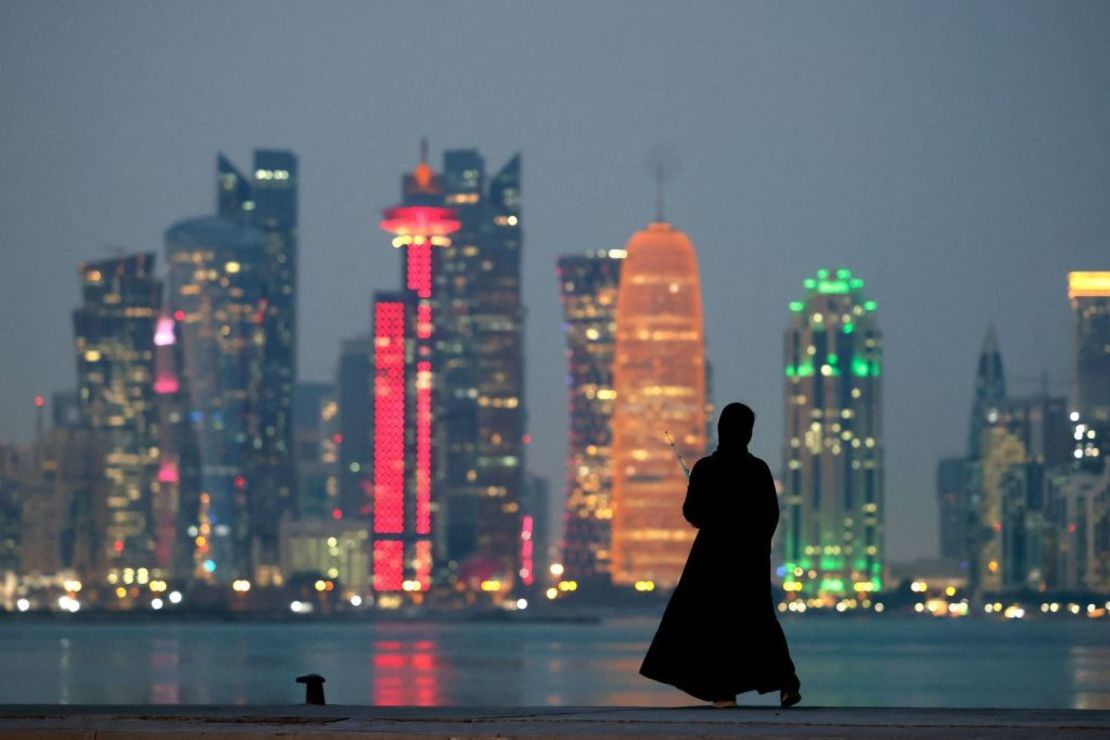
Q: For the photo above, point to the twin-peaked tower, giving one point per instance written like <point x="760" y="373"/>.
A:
<point x="231" y="306"/>
<point x="448" y="382"/>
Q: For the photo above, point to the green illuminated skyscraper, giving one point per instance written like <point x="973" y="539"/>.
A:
<point x="832" y="503"/>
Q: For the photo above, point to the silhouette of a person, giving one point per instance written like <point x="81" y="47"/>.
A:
<point x="719" y="635"/>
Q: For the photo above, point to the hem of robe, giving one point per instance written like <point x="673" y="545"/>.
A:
<point x="701" y="691"/>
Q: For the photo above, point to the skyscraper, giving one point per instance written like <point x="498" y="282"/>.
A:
<point x="958" y="477"/>
<point x="353" y="387"/>
<point x="177" y="461"/>
<point x="952" y="502"/>
<point x="268" y="201"/>
<point x="66" y="509"/>
<point x="480" y="350"/>
<point x="405" y="426"/>
<point x="990" y="390"/>
<point x="588" y="286"/>
<point x="114" y="341"/>
<point x="1082" y="495"/>
<point x="832" y="521"/>
<point x="1089" y="293"/>
<point x="659" y="377"/>
<point x="218" y="276"/>
<point x="13" y="463"/>
<point x="315" y="425"/>
<point x="1012" y="533"/>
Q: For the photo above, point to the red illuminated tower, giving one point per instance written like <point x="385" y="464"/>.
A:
<point x="403" y="329"/>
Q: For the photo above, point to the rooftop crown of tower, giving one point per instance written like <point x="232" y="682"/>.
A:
<point x="421" y="214"/>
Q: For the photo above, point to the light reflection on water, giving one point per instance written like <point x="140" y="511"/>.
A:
<point x="842" y="662"/>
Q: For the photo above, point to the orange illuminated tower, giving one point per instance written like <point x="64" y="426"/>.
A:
<point x="659" y="375"/>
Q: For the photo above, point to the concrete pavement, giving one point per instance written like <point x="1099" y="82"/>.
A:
<point x="330" y="722"/>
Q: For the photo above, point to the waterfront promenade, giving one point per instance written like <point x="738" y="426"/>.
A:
<point x="213" y="722"/>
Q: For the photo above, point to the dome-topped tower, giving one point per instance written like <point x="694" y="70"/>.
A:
<point x="659" y="376"/>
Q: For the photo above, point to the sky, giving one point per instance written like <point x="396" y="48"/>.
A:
<point x="955" y="155"/>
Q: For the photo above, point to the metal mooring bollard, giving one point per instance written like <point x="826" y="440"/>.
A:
<point x="313" y="688"/>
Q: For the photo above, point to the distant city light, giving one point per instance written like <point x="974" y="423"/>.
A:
<point x="301" y="607"/>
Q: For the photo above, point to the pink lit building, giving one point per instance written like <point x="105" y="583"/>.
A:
<point x="403" y="327"/>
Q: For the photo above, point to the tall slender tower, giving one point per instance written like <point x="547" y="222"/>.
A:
<point x="275" y="214"/>
<point x="659" y="376"/>
<point x="172" y="434"/>
<point x="404" y="329"/>
<point x="833" y="498"/>
<point x="114" y="341"/>
<point x="959" y="478"/>
<point x="990" y="391"/>
<point x="588" y="285"/>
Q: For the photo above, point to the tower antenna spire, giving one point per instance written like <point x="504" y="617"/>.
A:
<point x="423" y="148"/>
<point x="659" y="192"/>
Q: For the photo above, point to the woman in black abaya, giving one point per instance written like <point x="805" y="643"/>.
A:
<point x="720" y="636"/>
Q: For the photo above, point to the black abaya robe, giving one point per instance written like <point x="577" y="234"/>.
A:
<point x="719" y="635"/>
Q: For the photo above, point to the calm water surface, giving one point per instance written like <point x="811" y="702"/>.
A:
<point x="886" y="662"/>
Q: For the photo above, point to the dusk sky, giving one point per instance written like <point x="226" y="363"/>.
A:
<point x="956" y="156"/>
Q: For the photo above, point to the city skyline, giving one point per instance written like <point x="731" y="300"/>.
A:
<point x="975" y="220"/>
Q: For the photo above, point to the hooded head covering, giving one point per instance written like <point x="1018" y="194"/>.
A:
<point x="734" y="426"/>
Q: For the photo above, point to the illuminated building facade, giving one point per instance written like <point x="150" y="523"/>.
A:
<point x="176" y="461"/>
<point x="480" y="356"/>
<point x="1012" y="535"/>
<point x="588" y="286"/>
<point x="114" y="341"/>
<point x="1082" y="495"/>
<point x="1007" y="527"/>
<point x="1089" y="293"/>
<point x="534" y="549"/>
<point x="958" y="479"/>
<point x="405" y="429"/>
<point x="328" y="548"/>
<point x="217" y="297"/>
<point x="64" y="502"/>
<point x="832" y="503"/>
<point x="13" y="461"/>
<point x="1082" y="503"/>
<point x="268" y="202"/>
<point x="659" y="376"/>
